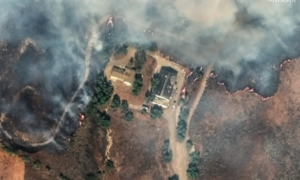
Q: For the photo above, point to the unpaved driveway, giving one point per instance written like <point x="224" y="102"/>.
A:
<point x="180" y="155"/>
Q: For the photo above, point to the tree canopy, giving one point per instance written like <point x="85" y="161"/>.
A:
<point x="115" y="104"/>
<point x="150" y="96"/>
<point x="155" y="81"/>
<point x="182" y="125"/>
<point x="174" y="177"/>
<point x="121" y="49"/>
<point x="140" y="59"/>
<point x="124" y="106"/>
<point x="156" y="112"/>
<point x="103" y="119"/>
<point x="192" y="171"/>
<point x="103" y="91"/>
<point x="137" y="84"/>
<point x="167" y="152"/>
<point x="129" y="116"/>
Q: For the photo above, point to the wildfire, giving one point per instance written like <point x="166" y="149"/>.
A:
<point x="184" y="90"/>
<point x="110" y="22"/>
<point x="196" y="79"/>
<point x="81" y="116"/>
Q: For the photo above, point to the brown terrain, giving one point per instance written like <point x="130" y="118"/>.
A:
<point x="136" y="148"/>
<point x="11" y="167"/>
<point x="241" y="136"/>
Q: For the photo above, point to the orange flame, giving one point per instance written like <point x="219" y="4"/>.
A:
<point x="184" y="90"/>
<point x="81" y="116"/>
<point x="190" y="73"/>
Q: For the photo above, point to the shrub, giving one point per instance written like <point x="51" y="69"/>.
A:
<point x="37" y="164"/>
<point x="167" y="152"/>
<point x="103" y="119"/>
<point x="26" y="159"/>
<point x="189" y="144"/>
<point x="192" y="171"/>
<point x="63" y="177"/>
<point x="124" y="106"/>
<point x="194" y="157"/>
<point x="110" y="164"/>
<point x="115" y="104"/>
<point x="137" y="84"/>
<point x="129" y="116"/>
<point x="156" y="112"/>
<point x="174" y="177"/>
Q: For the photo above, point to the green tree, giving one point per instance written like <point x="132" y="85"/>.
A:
<point x="198" y="73"/>
<point x="103" y="91"/>
<point x="181" y="130"/>
<point x="155" y="81"/>
<point x="156" y="112"/>
<point x="167" y="152"/>
<point x="110" y="164"/>
<point x="115" y="104"/>
<point x="137" y="84"/>
<point x="150" y="96"/>
<point x="174" y="177"/>
<point x="124" y="106"/>
<point x="194" y="157"/>
<point x="26" y="159"/>
<point x="140" y="59"/>
<point x="92" y="176"/>
<point x="129" y="116"/>
<point x="103" y="119"/>
<point x="192" y="171"/>
<point x="37" y="164"/>
<point x="144" y="111"/>
<point x="189" y="144"/>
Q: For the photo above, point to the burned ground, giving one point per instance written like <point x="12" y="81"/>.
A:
<point x="243" y="137"/>
<point x="137" y="147"/>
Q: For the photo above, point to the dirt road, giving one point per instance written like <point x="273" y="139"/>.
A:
<point x="180" y="155"/>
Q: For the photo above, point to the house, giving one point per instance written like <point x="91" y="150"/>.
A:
<point x="125" y="75"/>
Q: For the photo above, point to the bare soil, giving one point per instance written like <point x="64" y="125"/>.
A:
<point x="12" y="167"/>
<point x="137" y="147"/>
<point x="243" y="137"/>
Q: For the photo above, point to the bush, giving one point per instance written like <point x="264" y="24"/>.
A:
<point x="129" y="116"/>
<point x="167" y="152"/>
<point x="189" y="144"/>
<point x="124" y="106"/>
<point x="103" y="119"/>
<point x="8" y="149"/>
<point x="37" y="164"/>
<point x="110" y="164"/>
<point x="26" y="159"/>
<point x="63" y="177"/>
<point x="137" y="84"/>
<point x="150" y="96"/>
<point x="140" y="59"/>
<point x="156" y="112"/>
<point x="192" y="171"/>
<point x="174" y="177"/>
<point x="115" y="104"/>
<point x="194" y="157"/>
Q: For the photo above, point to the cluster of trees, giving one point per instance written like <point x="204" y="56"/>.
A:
<point x="167" y="152"/>
<point x="103" y="119"/>
<point x="193" y="171"/>
<point x="182" y="125"/>
<point x="156" y="112"/>
<point x="125" y="110"/>
<point x="103" y="91"/>
<point x="140" y="59"/>
<point x="137" y="84"/>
